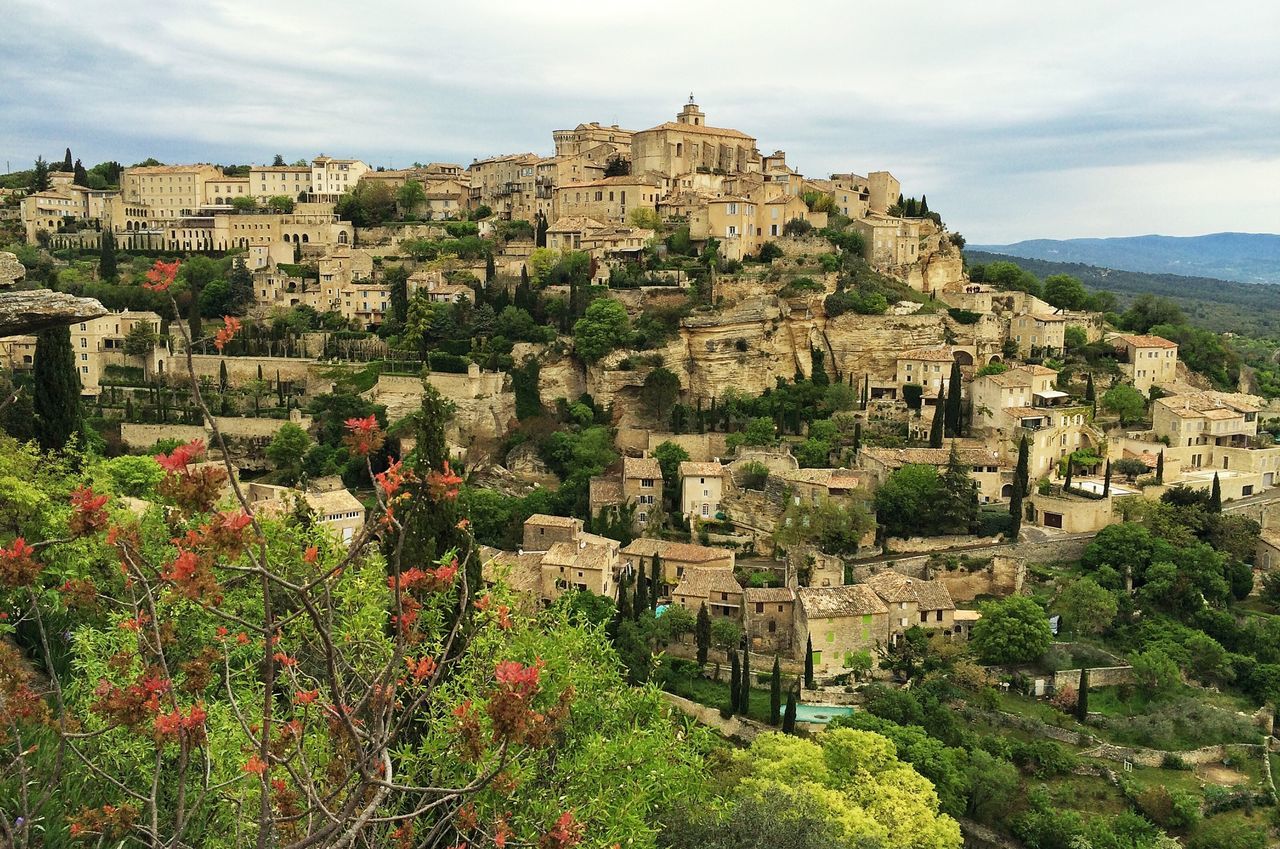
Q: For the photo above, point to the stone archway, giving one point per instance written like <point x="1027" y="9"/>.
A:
<point x="995" y="358"/>
<point x="964" y="358"/>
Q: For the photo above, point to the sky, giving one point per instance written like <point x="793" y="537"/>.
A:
<point x="1018" y="120"/>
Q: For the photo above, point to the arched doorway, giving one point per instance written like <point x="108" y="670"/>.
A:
<point x="964" y="358"/>
<point x="1006" y="491"/>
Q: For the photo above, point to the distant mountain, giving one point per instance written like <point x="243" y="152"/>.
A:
<point x="1243" y="257"/>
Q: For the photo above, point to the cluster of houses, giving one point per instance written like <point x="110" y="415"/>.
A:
<point x="834" y="619"/>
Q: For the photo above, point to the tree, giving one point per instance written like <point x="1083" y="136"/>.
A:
<point x="1130" y="467"/>
<point x="953" y="411"/>
<point x="39" y="176"/>
<point x="57" y="401"/>
<point x="1082" y="696"/>
<point x="68" y="166"/>
<point x="1147" y="311"/>
<point x="107" y="271"/>
<point x="1106" y="480"/>
<point x="808" y="662"/>
<point x="240" y="287"/>
<point x="744" y="697"/>
<point x="244" y="204"/>
<point x="913" y="502"/>
<point x="725" y="633"/>
<point x="283" y="204"/>
<point x="1155" y="672"/>
<point x="1087" y="608"/>
<point x="936" y="434"/>
<point x="397" y="280"/>
<point x="617" y="166"/>
<point x="81" y="177"/>
<point x="1160" y="468"/>
<point x="959" y="511"/>
<point x="789" y="717"/>
<point x="223" y="383"/>
<point x="278" y="161"/>
<point x="1013" y="630"/>
<point x="1065" y="292"/>
<point x="661" y="389"/>
<point x="1126" y="402"/>
<point x="410" y="195"/>
<point x="604" y="328"/>
<point x="286" y="450"/>
<point x="1089" y="392"/>
<point x="775" y="693"/>
<point x="141" y="339"/>
<point x="702" y="634"/>
<point x="735" y="683"/>
<point x="1215" y="495"/>
<point x="669" y="456"/>
<point x="655" y="580"/>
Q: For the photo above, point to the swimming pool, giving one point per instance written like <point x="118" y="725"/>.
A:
<point x="821" y="713"/>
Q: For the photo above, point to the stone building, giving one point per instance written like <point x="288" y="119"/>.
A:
<point x="675" y="558"/>
<point x="99" y="343"/>
<point x="689" y="144"/>
<point x="1039" y="334"/>
<point x="1147" y="360"/>
<point x="913" y="602"/>
<point x="168" y="191"/>
<point x="608" y="199"/>
<point x="701" y="485"/>
<point x="332" y="178"/>
<point x="768" y="618"/>
<point x="838" y="621"/>
<point x="988" y="468"/>
<point x="716" y="588"/>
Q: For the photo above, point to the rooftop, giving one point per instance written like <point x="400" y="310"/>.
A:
<point x="943" y="354"/>
<point x="768" y="595"/>
<point x="896" y="457"/>
<point x="689" y="469"/>
<point x="700" y="129"/>
<point x="700" y="582"/>
<point x="831" y="602"/>
<point x="683" y="552"/>
<point x="551" y="521"/>
<point x="641" y="467"/>
<point x="894" y="586"/>
<point x="1147" y="341"/>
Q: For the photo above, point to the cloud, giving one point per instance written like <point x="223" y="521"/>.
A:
<point x="1016" y="119"/>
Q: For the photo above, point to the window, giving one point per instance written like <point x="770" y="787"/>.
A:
<point x="706" y="508"/>
<point x="938" y="618"/>
<point x="759" y="607"/>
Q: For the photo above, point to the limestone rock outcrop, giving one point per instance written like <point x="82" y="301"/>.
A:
<point x="33" y="310"/>
<point x="11" y="271"/>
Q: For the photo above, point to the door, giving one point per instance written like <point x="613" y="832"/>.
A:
<point x="1052" y="520"/>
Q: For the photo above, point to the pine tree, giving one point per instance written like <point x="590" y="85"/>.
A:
<point x="39" y="175"/>
<point x="735" y="681"/>
<point x="808" y="662"/>
<point x="935" y="429"/>
<point x="789" y="718"/>
<point x="775" y="693"/>
<point x="1160" y="468"/>
<point x="81" y="177"/>
<point x="702" y="634"/>
<point x="1215" y="495"/>
<point x="57" y="400"/>
<point x="107" y="271"/>
<point x="67" y="165"/>
<point x="953" y="401"/>
<point x="1082" y="696"/>
<point x="1022" y="472"/>
<point x="278" y="162"/>
<point x="1106" y="480"/>
<point x="960" y="512"/>
<point x="744" y="697"/>
<point x="240" y="285"/>
<point x="397" y="280"/>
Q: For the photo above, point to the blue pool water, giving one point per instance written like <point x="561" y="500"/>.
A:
<point x="820" y="713"/>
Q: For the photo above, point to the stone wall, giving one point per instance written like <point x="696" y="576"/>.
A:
<point x="232" y="427"/>
<point x="914" y="545"/>
<point x="145" y="435"/>
<point x="1099" y="676"/>
<point x="869" y="344"/>
<point x="241" y="370"/>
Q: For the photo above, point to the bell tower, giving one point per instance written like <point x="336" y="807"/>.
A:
<point x="691" y="114"/>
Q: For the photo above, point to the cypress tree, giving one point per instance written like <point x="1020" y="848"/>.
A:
<point x="222" y="376"/>
<point x="279" y="389"/>
<point x="857" y="438"/>
<point x="775" y="693"/>
<point x="789" y="718"/>
<point x="67" y="164"/>
<point x="57" y="403"/>
<point x="655" y="581"/>
<point x="1106" y="480"/>
<point x="1089" y="394"/>
<point x="625" y="610"/>
<point x="81" y="176"/>
<point x="735" y="681"/>
<point x="642" y="598"/>
<point x="808" y="662"/>
<point x="1160" y="468"/>
<point x="744" y="697"/>
<point x="1215" y="496"/>
<point x="702" y="634"/>
<point x="1066" y="483"/>
<point x="1022" y="473"/>
<point x="935" y="429"/>
<point x="39" y="175"/>
<point x="866" y="391"/>
<point x="107" y="270"/>
<point x="924" y="205"/>
<point x="489" y="270"/>
<point x="1082" y="697"/>
<point x="524" y="275"/>
<point x="953" y="401"/>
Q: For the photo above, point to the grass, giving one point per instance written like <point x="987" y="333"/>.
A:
<point x="715" y="694"/>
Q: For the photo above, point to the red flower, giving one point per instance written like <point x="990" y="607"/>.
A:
<point x="446" y="574"/>
<point x="161" y="275"/>
<point x="519" y="679"/>
<point x="255" y="765"/>
<point x="222" y="631"/>
<point x="182" y="456"/>
<point x="306" y="697"/>
<point x="18" y="566"/>
<point x="567" y="832"/>
<point x="311" y="555"/>
<point x="87" y="516"/>
<point x="284" y="659"/>
<point x="391" y="480"/>
<point x="230" y="327"/>
<point x="422" y="668"/>
<point x="363" y="436"/>
<point x="443" y="484"/>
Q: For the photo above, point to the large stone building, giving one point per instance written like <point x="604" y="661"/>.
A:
<point x="689" y="144"/>
<point x="100" y="342"/>
<point x="331" y="178"/>
<point x="1147" y="360"/>
<point x="168" y="191"/>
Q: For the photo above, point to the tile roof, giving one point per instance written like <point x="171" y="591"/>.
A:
<point x="575" y="224"/>
<point x="551" y="521"/>
<point x="605" y="490"/>
<point x="684" y="552"/>
<point x="831" y="602"/>
<point x="590" y="552"/>
<point x="1147" y="341"/>
<point x="698" y="129"/>
<point x="895" y="586"/>
<point x="701" y="470"/>
<point x="768" y="595"/>
<point x="1020" y="376"/>
<point x="641" y="467"/>
<point x="337" y="501"/>
<point x="522" y="572"/>
<point x="1201" y="402"/>
<point x="701" y="582"/>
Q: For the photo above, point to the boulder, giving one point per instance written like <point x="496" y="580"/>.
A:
<point x="11" y="271"/>
<point x="33" y="310"/>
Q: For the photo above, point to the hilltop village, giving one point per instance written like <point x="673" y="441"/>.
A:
<point x="779" y="410"/>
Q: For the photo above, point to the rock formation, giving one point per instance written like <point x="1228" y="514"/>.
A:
<point x="11" y="271"/>
<point x="39" y="309"/>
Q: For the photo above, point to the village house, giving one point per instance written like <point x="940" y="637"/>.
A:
<point x="268" y="181"/>
<point x="1038" y="334"/>
<point x="716" y="588"/>
<point x="99" y="343"/>
<point x="837" y="622"/>
<point x="168" y="191"/>
<point x="768" y="617"/>
<point x="542" y="530"/>
<point x="986" y="466"/>
<point x="609" y="199"/>
<point x="332" y="178"/>
<point x="587" y="563"/>
<point x="928" y="368"/>
<point x="891" y="241"/>
<point x="1147" y="361"/>
<point x="812" y="486"/>
<point x="701" y="485"/>
<point x="913" y="602"/>
<point x="335" y="508"/>
<point x="505" y="184"/>
<point x="638" y="486"/>
<point x="432" y="282"/>
<point x="675" y="559"/>
<point x="689" y="144"/>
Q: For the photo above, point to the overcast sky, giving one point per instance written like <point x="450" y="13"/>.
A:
<point x="1018" y="120"/>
